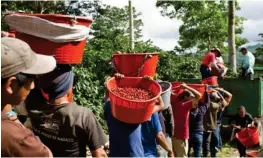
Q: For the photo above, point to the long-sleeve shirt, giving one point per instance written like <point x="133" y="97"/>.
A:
<point x="248" y="62"/>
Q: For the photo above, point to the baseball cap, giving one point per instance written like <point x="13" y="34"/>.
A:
<point x="18" y="57"/>
<point x="218" y="50"/>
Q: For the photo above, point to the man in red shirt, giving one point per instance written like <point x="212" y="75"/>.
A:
<point x="181" y="108"/>
<point x="208" y="62"/>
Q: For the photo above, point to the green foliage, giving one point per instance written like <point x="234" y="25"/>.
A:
<point x="110" y="33"/>
<point x="259" y="51"/>
<point x="204" y="23"/>
<point x="37" y="7"/>
<point x="172" y="67"/>
<point x="110" y="30"/>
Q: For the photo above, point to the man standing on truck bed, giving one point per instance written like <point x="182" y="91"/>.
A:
<point x="19" y="67"/>
<point x="248" y="62"/>
<point x="210" y="61"/>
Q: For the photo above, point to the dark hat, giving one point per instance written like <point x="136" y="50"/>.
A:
<point x="242" y="49"/>
<point x="217" y="50"/>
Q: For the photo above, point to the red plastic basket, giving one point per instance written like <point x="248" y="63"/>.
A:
<point x="210" y="81"/>
<point x="214" y="72"/>
<point x="64" y="53"/>
<point x="252" y="153"/>
<point x="177" y="90"/>
<point x="130" y="111"/>
<point x="248" y="136"/>
<point x="200" y="88"/>
<point x="136" y="65"/>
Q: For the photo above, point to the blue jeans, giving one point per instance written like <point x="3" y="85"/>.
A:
<point x="206" y="143"/>
<point x="216" y="141"/>
<point x="196" y="141"/>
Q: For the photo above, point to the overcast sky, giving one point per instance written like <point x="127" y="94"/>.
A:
<point x="163" y="31"/>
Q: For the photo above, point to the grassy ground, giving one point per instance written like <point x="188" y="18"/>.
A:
<point x="228" y="151"/>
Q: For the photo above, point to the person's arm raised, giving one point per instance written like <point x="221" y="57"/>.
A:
<point x="159" y="105"/>
<point x="228" y="96"/>
<point x="197" y="95"/>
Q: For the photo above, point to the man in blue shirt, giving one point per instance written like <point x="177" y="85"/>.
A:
<point x="151" y="133"/>
<point x="125" y="139"/>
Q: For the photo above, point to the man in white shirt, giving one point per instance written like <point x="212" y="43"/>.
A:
<point x="247" y="64"/>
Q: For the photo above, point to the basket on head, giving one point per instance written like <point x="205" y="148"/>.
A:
<point x="136" y="65"/>
<point x="176" y="90"/>
<point x="248" y="136"/>
<point x="131" y="111"/>
<point x="69" y="52"/>
<point x="200" y="88"/>
<point x="166" y="93"/>
<point x="210" y="81"/>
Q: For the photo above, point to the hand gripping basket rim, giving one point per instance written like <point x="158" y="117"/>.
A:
<point x="142" y="101"/>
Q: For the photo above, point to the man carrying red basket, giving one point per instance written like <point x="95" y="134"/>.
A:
<point x="210" y="63"/>
<point x="182" y="105"/>
<point x="242" y="120"/>
<point x="135" y="140"/>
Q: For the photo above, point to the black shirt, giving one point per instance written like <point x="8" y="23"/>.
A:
<point x="243" y="122"/>
<point x="66" y="129"/>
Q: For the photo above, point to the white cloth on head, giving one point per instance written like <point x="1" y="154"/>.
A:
<point x="220" y="60"/>
<point x="55" y="32"/>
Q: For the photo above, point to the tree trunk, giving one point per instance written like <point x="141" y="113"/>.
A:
<point x="231" y="36"/>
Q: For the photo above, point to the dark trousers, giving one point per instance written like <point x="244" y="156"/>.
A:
<point x="241" y="148"/>
<point x="216" y="141"/>
<point x="196" y="141"/>
<point x="206" y="143"/>
<point x="205" y="72"/>
<point x="246" y="76"/>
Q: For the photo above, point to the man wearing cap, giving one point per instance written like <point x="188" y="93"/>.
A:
<point x="247" y="64"/>
<point x="182" y="105"/>
<point x="19" y="66"/>
<point x="65" y="127"/>
<point x="209" y="62"/>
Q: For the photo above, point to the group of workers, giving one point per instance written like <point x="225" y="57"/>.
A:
<point x="213" y="61"/>
<point x="62" y="128"/>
